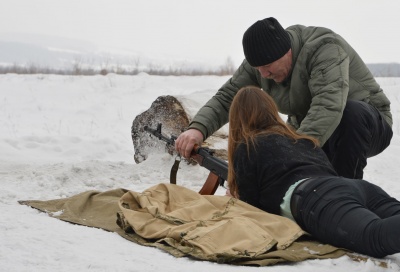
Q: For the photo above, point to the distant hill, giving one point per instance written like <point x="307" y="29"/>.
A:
<point x="56" y="53"/>
<point x="60" y="55"/>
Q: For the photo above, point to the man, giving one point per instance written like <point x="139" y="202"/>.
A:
<point x="318" y="80"/>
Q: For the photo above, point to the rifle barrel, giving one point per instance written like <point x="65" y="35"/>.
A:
<point x="158" y="134"/>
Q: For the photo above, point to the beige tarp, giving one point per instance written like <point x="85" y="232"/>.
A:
<point x="185" y="223"/>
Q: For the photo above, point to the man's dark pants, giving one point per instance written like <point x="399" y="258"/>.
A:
<point x="362" y="133"/>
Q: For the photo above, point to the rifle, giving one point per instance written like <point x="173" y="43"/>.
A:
<point x="203" y="156"/>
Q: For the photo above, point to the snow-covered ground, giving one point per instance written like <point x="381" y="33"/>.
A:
<point x="62" y="135"/>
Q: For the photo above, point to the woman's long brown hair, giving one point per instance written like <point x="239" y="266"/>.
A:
<point x="253" y="112"/>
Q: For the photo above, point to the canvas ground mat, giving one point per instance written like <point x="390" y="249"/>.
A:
<point x="185" y="223"/>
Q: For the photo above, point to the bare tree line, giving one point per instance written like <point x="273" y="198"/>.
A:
<point x="79" y="67"/>
<point x="385" y="69"/>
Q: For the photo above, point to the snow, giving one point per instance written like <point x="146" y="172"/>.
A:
<point x="62" y="135"/>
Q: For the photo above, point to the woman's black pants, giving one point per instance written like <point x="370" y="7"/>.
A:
<point x="347" y="213"/>
<point x="362" y="133"/>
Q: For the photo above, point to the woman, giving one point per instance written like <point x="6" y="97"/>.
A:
<point x="282" y="172"/>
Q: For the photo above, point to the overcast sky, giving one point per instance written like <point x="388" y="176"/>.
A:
<point x="209" y="30"/>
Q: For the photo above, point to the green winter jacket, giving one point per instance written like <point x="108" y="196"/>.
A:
<point x="326" y="72"/>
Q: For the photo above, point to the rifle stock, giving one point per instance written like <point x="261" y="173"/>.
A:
<point x="204" y="157"/>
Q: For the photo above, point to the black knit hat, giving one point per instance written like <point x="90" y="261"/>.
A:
<point x="264" y="42"/>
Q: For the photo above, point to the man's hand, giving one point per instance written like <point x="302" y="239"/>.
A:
<point x="185" y="142"/>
